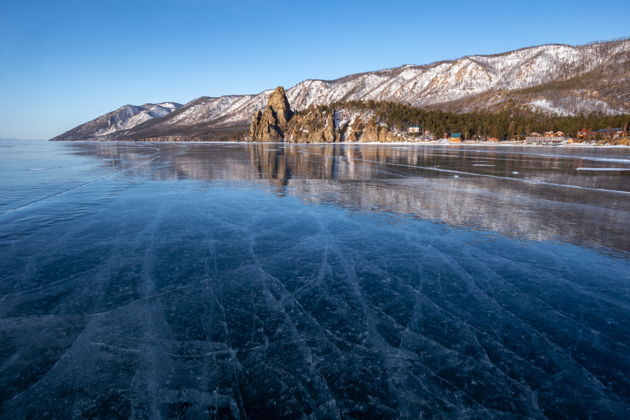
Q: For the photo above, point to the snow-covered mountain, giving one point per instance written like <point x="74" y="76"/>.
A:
<point x="552" y="79"/>
<point x="124" y="118"/>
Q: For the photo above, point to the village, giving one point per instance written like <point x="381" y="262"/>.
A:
<point x="601" y="136"/>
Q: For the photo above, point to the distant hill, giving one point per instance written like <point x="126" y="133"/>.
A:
<point x="124" y="118"/>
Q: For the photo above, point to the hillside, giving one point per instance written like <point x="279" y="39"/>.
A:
<point x="559" y="80"/>
<point x="124" y="118"/>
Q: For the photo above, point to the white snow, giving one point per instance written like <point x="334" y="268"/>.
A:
<point x="129" y="116"/>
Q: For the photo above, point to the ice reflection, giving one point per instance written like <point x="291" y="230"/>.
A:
<point x="533" y="193"/>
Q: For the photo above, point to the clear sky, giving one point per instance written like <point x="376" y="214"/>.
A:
<point x="65" y="62"/>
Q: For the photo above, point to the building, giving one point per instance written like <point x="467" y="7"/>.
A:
<point x="584" y="133"/>
<point x="610" y="133"/>
<point x="455" y="137"/>
<point x="550" y="137"/>
<point x="414" y="129"/>
<point x="550" y="134"/>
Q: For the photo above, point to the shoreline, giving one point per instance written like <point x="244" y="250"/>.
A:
<point x="424" y="143"/>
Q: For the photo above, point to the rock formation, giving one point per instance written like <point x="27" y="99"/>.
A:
<point x="270" y="123"/>
<point x="317" y="124"/>
<point x="277" y="122"/>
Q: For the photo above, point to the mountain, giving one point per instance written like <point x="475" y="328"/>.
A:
<point x="124" y="118"/>
<point x="551" y="79"/>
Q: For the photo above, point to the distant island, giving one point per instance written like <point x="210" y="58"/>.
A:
<point x="550" y="94"/>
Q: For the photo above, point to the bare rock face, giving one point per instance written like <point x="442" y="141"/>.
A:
<point x="279" y="103"/>
<point x="270" y="123"/>
<point x="315" y="125"/>
<point x="375" y="132"/>
<point x="371" y="134"/>
<point x="353" y="130"/>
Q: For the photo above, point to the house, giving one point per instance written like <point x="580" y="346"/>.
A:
<point x="414" y="129"/>
<point x="455" y="137"/>
<point x="609" y="133"/>
<point x="584" y="133"/>
<point x="550" y="133"/>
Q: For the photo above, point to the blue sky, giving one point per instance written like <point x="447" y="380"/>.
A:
<point x="65" y="62"/>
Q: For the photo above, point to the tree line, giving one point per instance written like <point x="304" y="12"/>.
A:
<point x="506" y="124"/>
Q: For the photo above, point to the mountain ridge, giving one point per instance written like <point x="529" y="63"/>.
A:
<point x="598" y="75"/>
<point x="125" y="117"/>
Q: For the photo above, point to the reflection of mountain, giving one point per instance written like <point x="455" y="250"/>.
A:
<point x="461" y="187"/>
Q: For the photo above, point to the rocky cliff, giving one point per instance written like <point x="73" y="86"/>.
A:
<point x="317" y="124"/>
<point x="270" y="123"/>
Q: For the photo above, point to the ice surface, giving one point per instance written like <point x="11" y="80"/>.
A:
<point x="238" y="281"/>
<point x="603" y="169"/>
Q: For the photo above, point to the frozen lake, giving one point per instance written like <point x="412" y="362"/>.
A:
<point x="313" y="281"/>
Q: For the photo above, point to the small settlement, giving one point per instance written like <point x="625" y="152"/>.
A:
<point x="603" y="133"/>
<point x="550" y="137"/>
<point x="546" y="138"/>
<point x="583" y="135"/>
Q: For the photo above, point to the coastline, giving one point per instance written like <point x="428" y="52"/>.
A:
<point x="347" y="143"/>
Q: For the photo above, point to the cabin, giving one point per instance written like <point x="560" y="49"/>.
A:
<point x="612" y="133"/>
<point x="414" y="129"/>
<point x="550" y="137"/>
<point x="584" y="133"/>
<point x="609" y="133"/>
<point x="455" y="138"/>
<point x="550" y="134"/>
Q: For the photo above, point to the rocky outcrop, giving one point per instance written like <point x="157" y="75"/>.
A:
<point x="277" y="122"/>
<point x="374" y="132"/>
<point x="270" y="123"/>
<point x="317" y="124"/>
